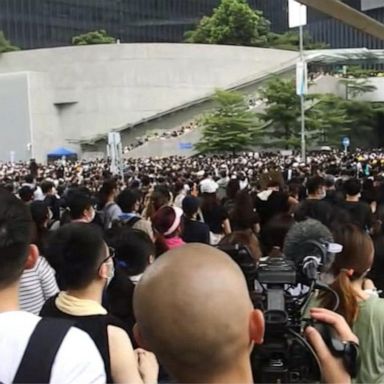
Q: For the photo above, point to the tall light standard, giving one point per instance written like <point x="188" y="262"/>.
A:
<point x="298" y="18"/>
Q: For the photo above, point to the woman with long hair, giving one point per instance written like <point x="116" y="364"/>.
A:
<point x="243" y="216"/>
<point x="359" y="305"/>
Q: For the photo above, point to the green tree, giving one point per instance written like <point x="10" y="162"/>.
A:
<point x="282" y="110"/>
<point x="357" y="87"/>
<point x="329" y="120"/>
<point x="291" y="41"/>
<point x="5" y="45"/>
<point x="363" y="121"/>
<point x="94" y="37"/>
<point x="230" y="127"/>
<point x="326" y="118"/>
<point x="233" y="22"/>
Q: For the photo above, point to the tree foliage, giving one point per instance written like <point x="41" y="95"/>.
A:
<point x="326" y="117"/>
<point x="5" y="45"/>
<point x="291" y="41"/>
<point x="357" y="87"/>
<point x="94" y="37"/>
<point x="233" y="22"/>
<point x="232" y="126"/>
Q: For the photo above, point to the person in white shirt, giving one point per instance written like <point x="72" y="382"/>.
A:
<point x="77" y="359"/>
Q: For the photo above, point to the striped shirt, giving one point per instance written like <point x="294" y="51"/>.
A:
<point x="37" y="285"/>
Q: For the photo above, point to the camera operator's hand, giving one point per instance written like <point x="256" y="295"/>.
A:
<point x="333" y="369"/>
<point x="148" y="366"/>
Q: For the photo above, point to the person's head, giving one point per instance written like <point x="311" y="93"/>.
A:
<point x="208" y="187"/>
<point x="16" y="253"/>
<point x="233" y="187"/>
<point x="81" y="208"/>
<point x="273" y="185"/>
<point x="40" y="213"/>
<point x="275" y="231"/>
<point x="246" y="238"/>
<point x="79" y="255"/>
<point x="243" y="212"/>
<point x="352" y="264"/>
<point x="134" y="250"/>
<point x="47" y="187"/>
<point x="196" y="335"/>
<point x="166" y="223"/>
<point x="316" y="187"/>
<point x="129" y="200"/>
<point x="330" y="182"/>
<point x="29" y="179"/>
<point x="160" y="197"/>
<point x="352" y="187"/>
<point x="108" y="191"/>
<point x="190" y="205"/>
<point x="26" y="194"/>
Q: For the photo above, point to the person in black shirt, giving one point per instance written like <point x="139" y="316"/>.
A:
<point x="272" y="202"/>
<point x="213" y="213"/>
<point x="333" y="196"/>
<point x="313" y="206"/>
<point x="52" y="201"/>
<point x="193" y="231"/>
<point x="134" y="252"/>
<point x="359" y="212"/>
<point x="86" y="267"/>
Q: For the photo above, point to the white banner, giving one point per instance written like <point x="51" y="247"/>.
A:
<point x="301" y="78"/>
<point x="297" y="14"/>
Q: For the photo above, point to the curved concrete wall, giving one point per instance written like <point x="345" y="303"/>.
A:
<point x="81" y="92"/>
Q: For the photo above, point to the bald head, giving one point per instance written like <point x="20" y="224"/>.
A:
<point x="193" y="310"/>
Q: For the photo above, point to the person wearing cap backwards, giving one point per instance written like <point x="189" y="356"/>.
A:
<point x="166" y="223"/>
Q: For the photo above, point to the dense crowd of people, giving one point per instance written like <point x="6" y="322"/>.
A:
<point x="129" y="276"/>
<point x="179" y="131"/>
<point x="253" y="101"/>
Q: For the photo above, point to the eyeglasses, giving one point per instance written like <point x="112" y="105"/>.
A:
<point x="112" y="253"/>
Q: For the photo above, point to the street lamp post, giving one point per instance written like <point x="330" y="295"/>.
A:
<point x="302" y="99"/>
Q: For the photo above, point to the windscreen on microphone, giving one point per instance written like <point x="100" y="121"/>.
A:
<point x="307" y="238"/>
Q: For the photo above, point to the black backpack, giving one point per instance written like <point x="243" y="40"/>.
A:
<point x="39" y="356"/>
<point x="125" y="223"/>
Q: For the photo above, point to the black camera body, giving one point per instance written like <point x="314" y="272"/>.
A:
<point x="285" y="356"/>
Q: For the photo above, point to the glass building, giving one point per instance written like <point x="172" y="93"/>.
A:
<point x="339" y="35"/>
<point x="47" y="23"/>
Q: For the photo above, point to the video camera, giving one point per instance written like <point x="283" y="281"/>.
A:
<point x="282" y="288"/>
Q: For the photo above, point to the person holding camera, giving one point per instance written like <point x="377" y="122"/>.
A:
<point x="205" y="325"/>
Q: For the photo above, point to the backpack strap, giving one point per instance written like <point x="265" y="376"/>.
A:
<point x="107" y="219"/>
<point x="133" y="220"/>
<point x="39" y="356"/>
